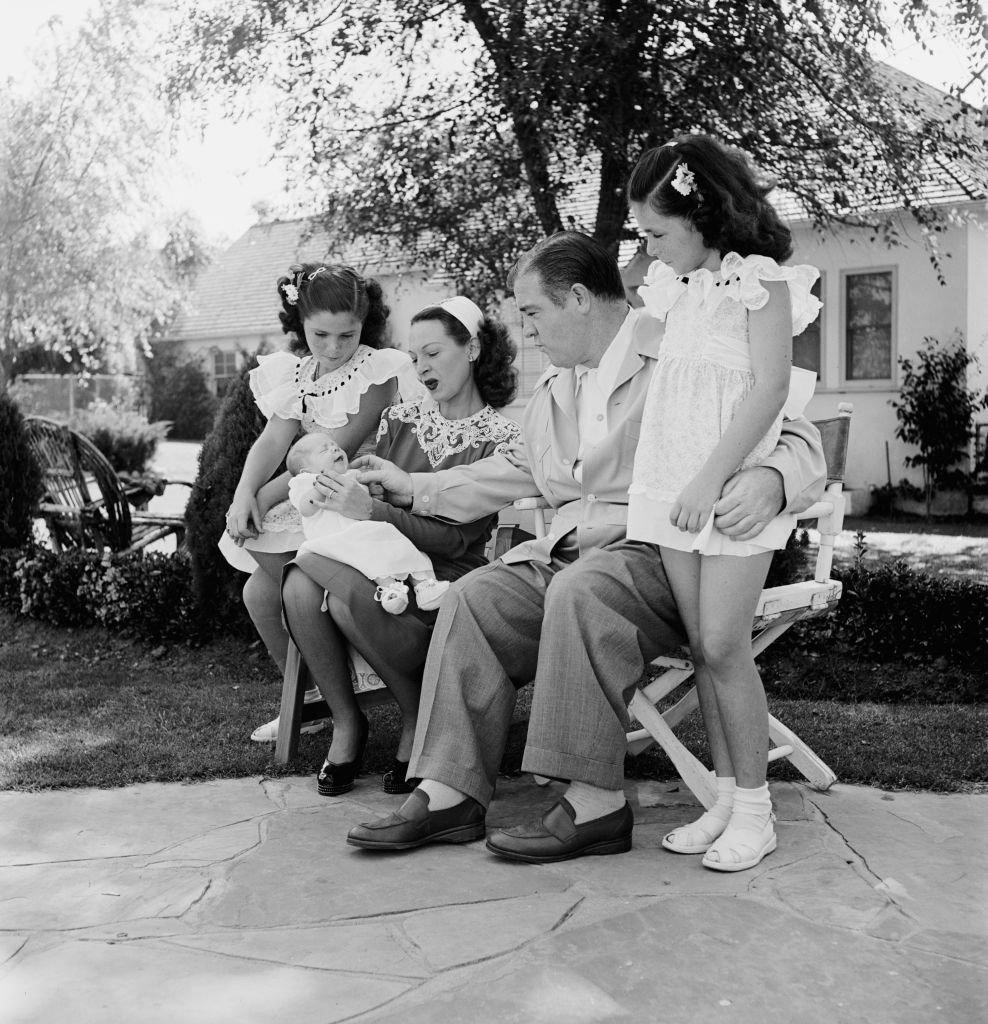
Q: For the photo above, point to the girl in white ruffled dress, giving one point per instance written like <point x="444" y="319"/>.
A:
<point x="340" y="385"/>
<point x="714" y="407"/>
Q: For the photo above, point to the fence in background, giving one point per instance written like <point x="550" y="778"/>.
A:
<point x="61" y="395"/>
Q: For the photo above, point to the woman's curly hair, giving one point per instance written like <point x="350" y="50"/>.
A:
<point x="332" y="288"/>
<point x="493" y="369"/>
<point x="725" y="204"/>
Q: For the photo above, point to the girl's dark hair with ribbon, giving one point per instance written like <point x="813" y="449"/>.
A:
<point x="493" y="372"/>
<point x="698" y="178"/>
<point x="332" y="288"/>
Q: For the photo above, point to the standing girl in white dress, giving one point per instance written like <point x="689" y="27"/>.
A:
<point x="339" y="385"/>
<point x="714" y="407"/>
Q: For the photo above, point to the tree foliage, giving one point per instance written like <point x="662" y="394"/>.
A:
<point x="82" y="271"/>
<point x="464" y="130"/>
<point x="936" y="410"/>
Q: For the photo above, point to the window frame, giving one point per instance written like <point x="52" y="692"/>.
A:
<point x="223" y="353"/>
<point x="871" y="383"/>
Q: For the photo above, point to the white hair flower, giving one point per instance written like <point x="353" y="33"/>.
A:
<point x="291" y="293"/>
<point x="684" y="180"/>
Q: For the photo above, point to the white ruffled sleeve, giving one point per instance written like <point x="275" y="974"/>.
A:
<point x="745" y="275"/>
<point x="661" y="288"/>
<point x="374" y="366"/>
<point x="299" y="486"/>
<point x="274" y="384"/>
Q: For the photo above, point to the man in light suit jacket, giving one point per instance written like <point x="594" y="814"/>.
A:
<point x="580" y="612"/>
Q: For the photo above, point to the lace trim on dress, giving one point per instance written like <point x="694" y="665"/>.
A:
<point x="439" y="437"/>
<point x="738" y="278"/>
<point x="285" y="385"/>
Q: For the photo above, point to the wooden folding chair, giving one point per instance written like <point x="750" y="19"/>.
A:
<point x="85" y="504"/>
<point x="779" y="608"/>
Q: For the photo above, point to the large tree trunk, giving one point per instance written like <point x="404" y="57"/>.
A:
<point x="517" y="101"/>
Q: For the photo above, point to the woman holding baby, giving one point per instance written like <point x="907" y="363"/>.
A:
<point x="431" y="411"/>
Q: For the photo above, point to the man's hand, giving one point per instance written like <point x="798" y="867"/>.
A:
<point x="343" y="493"/>
<point x="517" y="454"/>
<point x="396" y="482"/>
<point x="749" y="500"/>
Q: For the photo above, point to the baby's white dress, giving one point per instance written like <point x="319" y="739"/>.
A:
<point x="702" y="375"/>
<point x="372" y="548"/>
<point x="285" y="385"/>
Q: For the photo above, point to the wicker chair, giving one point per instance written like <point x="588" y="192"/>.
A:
<point x="85" y="505"/>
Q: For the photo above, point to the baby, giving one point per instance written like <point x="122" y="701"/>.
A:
<point x="378" y="550"/>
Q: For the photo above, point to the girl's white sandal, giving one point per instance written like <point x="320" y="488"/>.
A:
<point x="740" y="848"/>
<point x="701" y="836"/>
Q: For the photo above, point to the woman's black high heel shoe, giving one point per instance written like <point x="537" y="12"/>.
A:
<point x="394" y="778"/>
<point x="337" y="779"/>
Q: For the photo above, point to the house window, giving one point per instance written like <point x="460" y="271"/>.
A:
<point x="806" y="346"/>
<point x="868" y="325"/>
<point x="224" y="370"/>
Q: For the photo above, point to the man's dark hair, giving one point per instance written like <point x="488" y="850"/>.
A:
<point x="567" y="258"/>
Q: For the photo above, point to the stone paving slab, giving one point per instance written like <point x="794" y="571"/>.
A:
<point x="239" y="901"/>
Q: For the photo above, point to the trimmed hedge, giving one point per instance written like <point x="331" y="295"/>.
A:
<point x="149" y="597"/>
<point x="216" y="584"/>
<point x="20" y="477"/>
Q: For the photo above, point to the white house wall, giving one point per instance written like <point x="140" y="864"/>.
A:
<point x="922" y="307"/>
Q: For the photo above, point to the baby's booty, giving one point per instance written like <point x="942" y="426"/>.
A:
<point x="393" y="597"/>
<point x="429" y="594"/>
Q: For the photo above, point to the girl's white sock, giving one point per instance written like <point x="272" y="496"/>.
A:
<point x="712" y="822"/>
<point x="752" y="807"/>
<point x="591" y="802"/>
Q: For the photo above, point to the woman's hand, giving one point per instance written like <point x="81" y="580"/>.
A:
<point x="691" y="510"/>
<point x="517" y="454"/>
<point x="243" y="519"/>
<point x="343" y="493"/>
<point x="396" y="482"/>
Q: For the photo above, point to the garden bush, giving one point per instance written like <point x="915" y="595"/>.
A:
<point x="180" y="394"/>
<point x="148" y="597"/>
<point x="20" y="477"/>
<point x="124" y="436"/>
<point x="216" y="584"/>
<point x="930" y="631"/>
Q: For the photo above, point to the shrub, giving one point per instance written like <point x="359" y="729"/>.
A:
<point x="934" y="626"/>
<point x="936" y="411"/>
<point x="148" y="597"/>
<point x="124" y="436"/>
<point x="216" y="584"/>
<point x="180" y="393"/>
<point x="20" y="477"/>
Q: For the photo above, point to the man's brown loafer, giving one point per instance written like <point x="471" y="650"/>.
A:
<point x="413" y="824"/>
<point x="560" y="838"/>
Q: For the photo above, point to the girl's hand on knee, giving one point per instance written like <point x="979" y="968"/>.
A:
<point x="694" y="506"/>
<point x="243" y="519"/>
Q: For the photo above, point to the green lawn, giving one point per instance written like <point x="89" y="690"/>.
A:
<point x="88" y="708"/>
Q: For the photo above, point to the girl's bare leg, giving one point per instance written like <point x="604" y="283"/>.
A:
<point x="323" y="647"/>
<point x="262" y="597"/>
<point x="683" y="572"/>
<point x="729" y="591"/>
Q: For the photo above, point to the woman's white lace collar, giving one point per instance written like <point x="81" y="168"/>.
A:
<point x="440" y="437"/>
